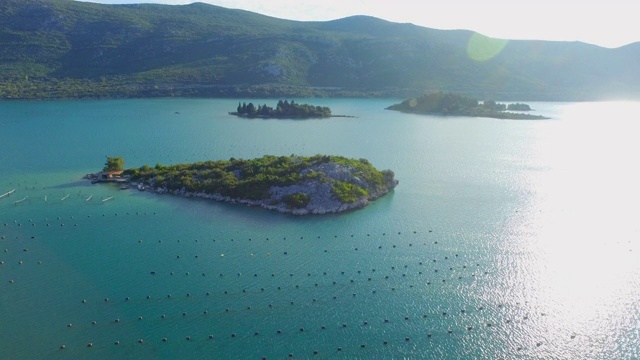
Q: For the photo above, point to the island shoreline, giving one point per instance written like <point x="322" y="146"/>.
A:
<point x="292" y="185"/>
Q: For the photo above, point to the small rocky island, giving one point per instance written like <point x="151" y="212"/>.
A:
<point x="298" y="185"/>
<point x="448" y="104"/>
<point x="283" y="110"/>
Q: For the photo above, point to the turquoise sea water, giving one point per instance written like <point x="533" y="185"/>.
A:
<point x="504" y="239"/>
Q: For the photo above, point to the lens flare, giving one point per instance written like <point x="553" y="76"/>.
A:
<point x="483" y="48"/>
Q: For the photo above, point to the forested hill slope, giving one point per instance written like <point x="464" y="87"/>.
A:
<point x="64" y="48"/>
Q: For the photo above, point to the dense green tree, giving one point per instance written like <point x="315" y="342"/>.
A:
<point x="265" y="110"/>
<point x="284" y="109"/>
<point x="114" y="164"/>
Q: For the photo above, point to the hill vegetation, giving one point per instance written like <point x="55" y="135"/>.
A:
<point x="457" y="105"/>
<point x="73" y="49"/>
<point x="295" y="184"/>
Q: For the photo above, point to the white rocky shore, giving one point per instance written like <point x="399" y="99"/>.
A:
<point x="320" y="192"/>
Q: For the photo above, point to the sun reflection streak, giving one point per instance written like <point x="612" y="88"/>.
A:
<point x="582" y="249"/>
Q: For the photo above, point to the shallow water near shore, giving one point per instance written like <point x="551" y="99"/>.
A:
<point x="503" y="239"/>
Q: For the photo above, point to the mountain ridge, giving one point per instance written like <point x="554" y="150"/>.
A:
<point x="64" y="48"/>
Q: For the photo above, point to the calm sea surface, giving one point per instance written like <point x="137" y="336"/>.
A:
<point x="504" y="239"/>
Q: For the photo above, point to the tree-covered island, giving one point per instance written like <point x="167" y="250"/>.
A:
<point x="299" y="185"/>
<point x="283" y="110"/>
<point x="449" y="104"/>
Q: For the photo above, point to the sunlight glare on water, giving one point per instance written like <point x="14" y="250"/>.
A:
<point x="582" y="234"/>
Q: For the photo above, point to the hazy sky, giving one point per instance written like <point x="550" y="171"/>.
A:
<point x="609" y="23"/>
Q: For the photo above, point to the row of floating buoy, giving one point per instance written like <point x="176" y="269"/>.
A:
<point x="62" y="224"/>
<point x="308" y="285"/>
<point x="47" y="224"/>
<point x="262" y="290"/>
<point x="255" y="275"/>
<point x="324" y="273"/>
<point x="47" y="220"/>
<point x="463" y="311"/>
<point x="210" y="337"/>
<point x="287" y="252"/>
<point x="20" y="262"/>
<point x="407" y="339"/>
<point x="231" y="239"/>
<point x="385" y="320"/>
<point x="59" y="218"/>
<point x="380" y="247"/>
<point x="359" y="272"/>
<point x="302" y="237"/>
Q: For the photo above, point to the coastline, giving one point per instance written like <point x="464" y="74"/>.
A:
<point x="265" y="204"/>
<point x="502" y="115"/>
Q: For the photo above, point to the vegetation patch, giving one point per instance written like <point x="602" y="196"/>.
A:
<point x="347" y="192"/>
<point x="297" y="200"/>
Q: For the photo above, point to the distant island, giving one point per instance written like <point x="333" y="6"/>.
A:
<point x="449" y="104"/>
<point x="298" y="185"/>
<point x="283" y="110"/>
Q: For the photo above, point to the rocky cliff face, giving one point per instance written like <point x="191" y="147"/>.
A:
<point x="323" y="200"/>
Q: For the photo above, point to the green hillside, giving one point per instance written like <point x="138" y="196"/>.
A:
<point x="64" y="48"/>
